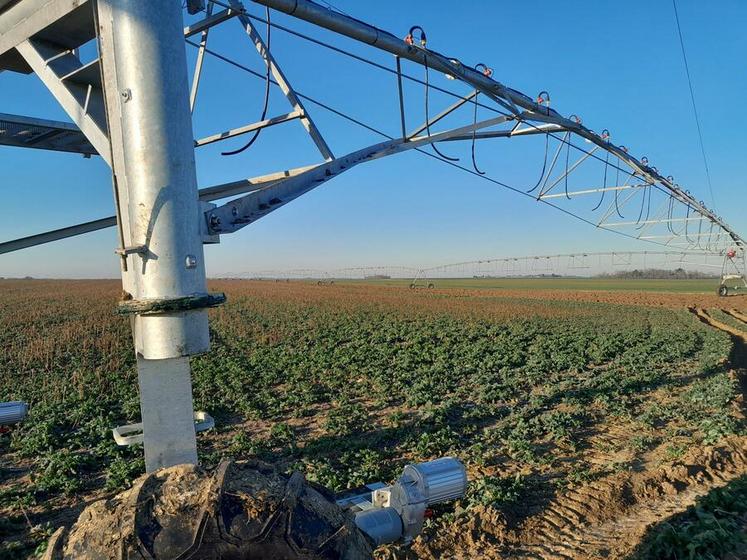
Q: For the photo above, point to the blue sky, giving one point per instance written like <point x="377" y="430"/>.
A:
<point x="618" y="65"/>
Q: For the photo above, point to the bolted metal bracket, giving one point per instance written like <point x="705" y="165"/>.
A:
<point x="209" y="234"/>
<point x="132" y="250"/>
<point x="132" y="434"/>
<point x="195" y="6"/>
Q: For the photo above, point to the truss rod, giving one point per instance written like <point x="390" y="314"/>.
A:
<point x="355" y="29"/>
<point x="442" y="114"/>
<point x="634" y="223"/>
<point x="57" y="234"/>
<point x="283" y="83"/>
<point x="570" y="170"/>
<point x="675" y="236"/>
<point x="248" y="128"/>
<point x="591" y="191"/>
<point x="370" y="128"/>
<point x="200" y="60"/>
<point x="527" y="131"/>
<point x="207" y="194"/>
<point x="210" y="21"/>
<point x="239" y="213"/>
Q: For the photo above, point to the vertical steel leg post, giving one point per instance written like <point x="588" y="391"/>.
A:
<point x="148" y="115"/>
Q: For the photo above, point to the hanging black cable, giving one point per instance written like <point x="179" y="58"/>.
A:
<point x="648" y="207"/>
<point x="605" y="136"/>
<point x="487" y="72"/>
<point x="700" y="229"/>
<point x="604" y="187"/>
<point x="670" y="211"/>
<point x="351" y="119"/>
<point x="266" y="102"/>
<point x="687" y="220"/>
<point x="643" y="205"/>
<point x="644" y="221"/>
<point x="544" y="165"/>
<point x="474" y="135"/>
<point x="567" y="158"/>
<point x="617" y="184"/>
<point x="427" y="117"/>
<point x="710" y="233"/>
<point x="565" y="178"/>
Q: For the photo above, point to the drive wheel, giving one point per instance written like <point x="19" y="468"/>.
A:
<point x="723" y="291"/>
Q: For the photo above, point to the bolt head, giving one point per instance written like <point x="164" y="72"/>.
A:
<point x="190" y="261"/>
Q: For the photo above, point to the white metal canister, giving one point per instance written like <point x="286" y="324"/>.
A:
<point x="12" y="412"/>
<point x="439" y="480"/>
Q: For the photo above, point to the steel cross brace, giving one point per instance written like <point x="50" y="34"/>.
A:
<point x="207" y="194"/>
<point x="239" y="213"/>
<point x="514" y="100"/>
<point x="282" y="81"/>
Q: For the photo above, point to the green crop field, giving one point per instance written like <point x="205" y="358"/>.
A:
<point x="706" y="286"/>
<point x="548" y="402"/>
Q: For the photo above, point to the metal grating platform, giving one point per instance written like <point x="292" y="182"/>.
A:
<point x="30" y="132"/>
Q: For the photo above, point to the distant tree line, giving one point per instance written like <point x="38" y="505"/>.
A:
<point x="659" y="273"/>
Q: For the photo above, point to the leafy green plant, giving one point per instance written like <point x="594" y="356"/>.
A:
<point x="346" y="419"/>
<point x="494" y="492"/>
<point x="709" y="530"/>
<point x="122" y="471"/>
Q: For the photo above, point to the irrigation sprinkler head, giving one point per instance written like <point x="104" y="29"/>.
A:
<point x="396" y="513"/>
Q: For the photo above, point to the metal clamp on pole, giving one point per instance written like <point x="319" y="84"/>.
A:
<point x="156" y="306"/>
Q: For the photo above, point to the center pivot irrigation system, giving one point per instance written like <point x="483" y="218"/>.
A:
<point x="566" y="264"/>
<point x="131" y="104"/>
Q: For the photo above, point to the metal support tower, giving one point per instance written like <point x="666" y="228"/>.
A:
<point x="150" y="129"/>
<point x="132" y="105"/>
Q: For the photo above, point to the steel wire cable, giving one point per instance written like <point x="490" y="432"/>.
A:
<point x="662" y="189"/>
<point x="474" y="135"/>
<point x="343" y="115"/>
<point x="324" y="44"/>
<point x="604" y="185"/>
<point x="416" y="80"/>
<point x="695" y="108"/>
<point x="427" y="116"/>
